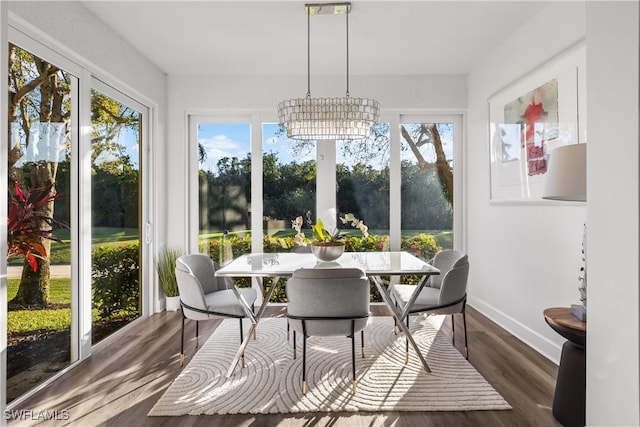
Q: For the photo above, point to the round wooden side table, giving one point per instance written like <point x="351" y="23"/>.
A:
<point x="569" y="397"/>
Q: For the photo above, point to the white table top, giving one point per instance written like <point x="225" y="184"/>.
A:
<point x="284" y="264"/>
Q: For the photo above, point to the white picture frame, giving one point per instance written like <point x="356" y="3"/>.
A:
<point x="531" y="116"/>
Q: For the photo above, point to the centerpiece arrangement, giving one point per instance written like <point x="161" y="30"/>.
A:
<point x="328" y="245"/>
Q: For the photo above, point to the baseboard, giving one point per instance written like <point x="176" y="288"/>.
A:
<point x="533" y="339"/>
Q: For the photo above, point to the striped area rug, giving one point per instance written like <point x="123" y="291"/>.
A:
<point x="271" y="381"/>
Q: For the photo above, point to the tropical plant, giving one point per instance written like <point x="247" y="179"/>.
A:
<point x="166" y="268"/>
<point x="25" y="231"/>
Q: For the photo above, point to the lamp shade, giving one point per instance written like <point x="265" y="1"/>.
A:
<point x="566" y="178"/>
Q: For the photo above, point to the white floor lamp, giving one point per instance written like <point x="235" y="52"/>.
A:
<point x="566" y="179"/>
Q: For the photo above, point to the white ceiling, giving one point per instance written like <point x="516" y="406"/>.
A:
<point x="265" y="37"/>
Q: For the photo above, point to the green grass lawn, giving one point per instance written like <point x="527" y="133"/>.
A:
<point x="48" y="319"/>
<point x="22" y="321"/>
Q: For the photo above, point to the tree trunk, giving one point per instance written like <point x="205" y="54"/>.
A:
<point x="442" y="166"/>
<point x="34" y="285"/>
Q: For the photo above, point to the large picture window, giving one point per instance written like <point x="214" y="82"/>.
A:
<point x="400" y="182"/>
<point x="427" y="188"/>
<point x="288" y="186"/>
<point x="224" y="189"/>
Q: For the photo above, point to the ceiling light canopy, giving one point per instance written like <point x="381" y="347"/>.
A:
<point x="343" y="118"/>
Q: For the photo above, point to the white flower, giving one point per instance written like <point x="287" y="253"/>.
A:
<point x="355" y="222"/>
<point x="296" y="224"/>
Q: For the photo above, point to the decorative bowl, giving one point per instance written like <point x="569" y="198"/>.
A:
<point x="327" y="251"/>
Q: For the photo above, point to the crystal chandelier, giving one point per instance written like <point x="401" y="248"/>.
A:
<point x="343" y="118"/>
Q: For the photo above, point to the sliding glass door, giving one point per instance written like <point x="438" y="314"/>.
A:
<point x="116" y="208"/>
<point x="79" y="224"/>
<point x="42" y="326"/>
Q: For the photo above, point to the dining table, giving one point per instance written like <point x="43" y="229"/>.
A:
<point x="281" y="265"/>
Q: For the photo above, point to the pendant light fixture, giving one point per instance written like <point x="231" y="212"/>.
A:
<point x="343" y="118"/>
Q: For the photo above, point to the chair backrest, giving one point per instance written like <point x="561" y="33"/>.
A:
<point x="454" y="271"/>
<point x="445" y="261"/>
<point x="195" y="274"/>
<point x="329" y="292"/>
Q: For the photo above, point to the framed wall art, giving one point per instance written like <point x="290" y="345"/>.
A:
<point x="538" y="112"/>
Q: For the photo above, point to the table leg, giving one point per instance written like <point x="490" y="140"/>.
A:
<point x="254" y="321"/>
<point x="386" y="297"/>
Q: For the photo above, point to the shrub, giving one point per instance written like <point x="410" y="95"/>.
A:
<point x="115" y="280"/>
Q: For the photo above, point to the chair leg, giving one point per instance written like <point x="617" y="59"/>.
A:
<point x="406" y="345"/>
<point x="353" y="360"/>
<point x="304" y="363"/>
<point x="254" y="331"/>
<point x="295" y="355"/>
<point x="288" y="330"/>
<point x="395" y="322"/>
<point x="464" y="322"/>
<point x="197" y="333"/>
<point x="241" y="339"/>
<point x="362" y="341"/>
<point x="182" y="343"/>
<point x="453" y="330"/>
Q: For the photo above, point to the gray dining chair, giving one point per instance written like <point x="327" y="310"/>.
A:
<point x="445" y="293"/>
<point x="204" y="296"/>
<point x="328" y="302"/>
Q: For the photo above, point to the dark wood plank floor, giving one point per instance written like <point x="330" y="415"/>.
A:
<point x="120" y="383"/>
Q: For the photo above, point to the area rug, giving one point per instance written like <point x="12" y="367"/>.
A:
<point x="271" y="382"/>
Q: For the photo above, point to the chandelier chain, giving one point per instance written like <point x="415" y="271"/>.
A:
<point x="347" y="17"/>
<point x="308" y="51"/>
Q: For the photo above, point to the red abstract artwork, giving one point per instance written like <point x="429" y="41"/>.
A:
<point x="536" y="113"/>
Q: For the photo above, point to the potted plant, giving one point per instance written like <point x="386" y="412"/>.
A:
<point x="327" y="245"/>
<point x="166" y="268"/>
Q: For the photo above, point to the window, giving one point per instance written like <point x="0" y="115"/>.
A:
<point x="116" y="205"/>
<point x="400" y="182"/>
<point x="289" y="186"/>
<point x="224" y="189"/>
<point x="363" y="188"/>
<point x="41" y="325"/>
<point x="427" y="183"/>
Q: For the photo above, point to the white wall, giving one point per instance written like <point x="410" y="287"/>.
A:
<point x="246" y="94"/>
<point x="525" y="258"/>
<point x="612" y="193"/>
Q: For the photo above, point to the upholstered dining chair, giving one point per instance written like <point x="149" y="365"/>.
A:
<point x="204" y="296"/>
<point x="328" y="302"/>
<point x="445" y="293"/>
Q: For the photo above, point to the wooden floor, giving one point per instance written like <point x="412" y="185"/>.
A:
<point x="119" y="383"/>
